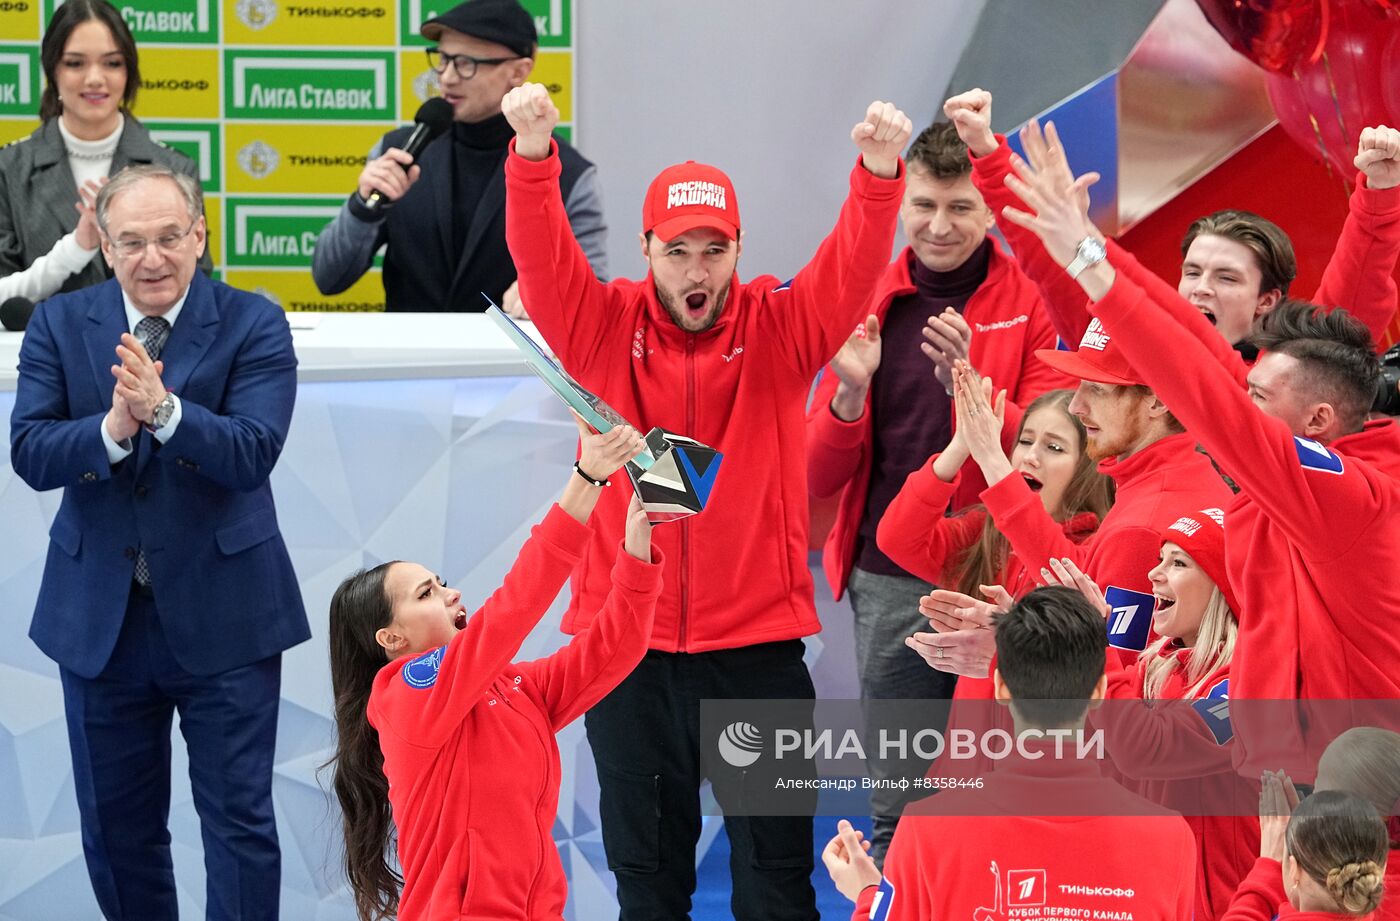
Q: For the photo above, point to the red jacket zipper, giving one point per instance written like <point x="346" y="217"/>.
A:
<point x="685" y="523"/>
<point x="539" y="798"/>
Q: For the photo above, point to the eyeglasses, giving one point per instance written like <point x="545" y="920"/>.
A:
<point x="465" y="64"/>
<point x="166" y="242"/>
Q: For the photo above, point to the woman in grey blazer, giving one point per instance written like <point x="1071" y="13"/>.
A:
<point x="49" y="180"/>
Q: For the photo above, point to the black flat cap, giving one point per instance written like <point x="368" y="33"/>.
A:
<point x="504" y="22"/>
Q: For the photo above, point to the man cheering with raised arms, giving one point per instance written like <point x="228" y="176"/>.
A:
<point x="694" y="350"/>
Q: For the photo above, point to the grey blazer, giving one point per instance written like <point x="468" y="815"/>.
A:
<point x="37" y="192"/>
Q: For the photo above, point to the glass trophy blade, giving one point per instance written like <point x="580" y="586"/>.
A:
<point x="587" y="404"/>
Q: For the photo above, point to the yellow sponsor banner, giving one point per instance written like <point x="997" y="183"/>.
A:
<point x="555" y="69"/>
<point x="214" y="220"/>
<point x="418" y="83"/>
<point x="19" y="20"/>
<point x="16" y="128"/>
<point x="294" y="290"/>
<point x="295" y="159"/>
<point x="178" y="83"/>
<point x="309" y="22"/>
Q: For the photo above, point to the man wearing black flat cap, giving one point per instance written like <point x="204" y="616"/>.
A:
<point x="443" y="214"/>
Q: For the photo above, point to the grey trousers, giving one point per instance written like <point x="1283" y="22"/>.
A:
<point x="886" y="611"/>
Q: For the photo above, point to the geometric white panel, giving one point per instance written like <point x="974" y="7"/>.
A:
<point x="451" y="473"/>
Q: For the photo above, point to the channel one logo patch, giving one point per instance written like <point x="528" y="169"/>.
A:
<point x="276" y="232"/>
<point x="169" y="21"/>
<point x="322" y="85"/>
<point x="19" y="80"/>
<point x="553" y="19"/>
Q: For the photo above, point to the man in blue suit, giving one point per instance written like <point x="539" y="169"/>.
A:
<point x="167" y="585"/>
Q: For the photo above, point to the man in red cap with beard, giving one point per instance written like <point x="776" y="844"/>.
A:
<point x="694" y="350"/>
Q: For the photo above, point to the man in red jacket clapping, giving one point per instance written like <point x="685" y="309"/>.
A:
<point x="882" y="408"/>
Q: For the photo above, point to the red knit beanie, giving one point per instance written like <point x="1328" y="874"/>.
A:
<point x="1202" y="535"/>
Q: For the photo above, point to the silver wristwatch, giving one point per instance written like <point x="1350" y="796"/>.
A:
<point x="163" y="411"/>
<point x="1091" y="252"/>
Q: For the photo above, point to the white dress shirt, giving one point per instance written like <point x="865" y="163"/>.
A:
<point x="118" y="451"/>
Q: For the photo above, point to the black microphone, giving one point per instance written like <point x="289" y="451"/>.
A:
<point x="433" y="118"/>
<point x="14" y="313"/>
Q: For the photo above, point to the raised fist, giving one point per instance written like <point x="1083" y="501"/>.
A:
<point x="971" y="114"/>
<point x="1378" y="156"/>
<point x="532" y="115"/>
<point x="881" y="137"/>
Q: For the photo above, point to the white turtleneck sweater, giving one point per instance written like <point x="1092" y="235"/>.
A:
<point x="45" y="275"/>
<point x="90" y="159"/>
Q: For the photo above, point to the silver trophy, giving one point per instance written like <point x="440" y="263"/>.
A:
<point x="673" y="475"/>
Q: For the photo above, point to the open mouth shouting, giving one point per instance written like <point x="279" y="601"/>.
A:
<point x="1208" y="313"/>
<point x="1033" y="482"/>
<point x="459" y="620"/>
<point x="696" y="303"/>
<point x="1164" y="604"/>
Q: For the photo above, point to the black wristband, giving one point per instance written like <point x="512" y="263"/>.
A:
<point x="593" y="482"/>
<point x="360" y="210"/>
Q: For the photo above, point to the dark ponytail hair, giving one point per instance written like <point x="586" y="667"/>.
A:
<point x="65" y="19"/>
<point x="1341" y="842"/>
<point x="358" y="609"/>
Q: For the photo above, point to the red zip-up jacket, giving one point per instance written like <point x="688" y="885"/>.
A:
<point x="1155" y="486"/>
<point x="738" y="573"/>
<point x="1008" y="324"/>
<point x="969" y="855"/>
<point x="1171" y="756"/>
<point x="469" y="737"/>
<point x="1359" y="276"/>
<point x="922" y="540"/>
<point x="1261" y="897"/>
<point x="917" y="535"/>
<point x="1311" y="541"/>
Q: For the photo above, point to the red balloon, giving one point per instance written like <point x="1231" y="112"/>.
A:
<point x="1278" y="35"/>
<point x="1324" y="105"/>
<point x="1390" y="81"/>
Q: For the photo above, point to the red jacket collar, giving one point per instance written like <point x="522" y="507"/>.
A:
<point x="1170" y="450"/>
<point x="667" y="330"/>
<point x="1377" y="444"/>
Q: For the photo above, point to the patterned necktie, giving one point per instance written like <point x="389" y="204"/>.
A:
<point x="152" y="331"/>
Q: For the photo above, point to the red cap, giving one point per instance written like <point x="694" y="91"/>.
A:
<point x="1097" y="359"/>
<point x="1202" y="535"/>
<point x="690" y="195"/>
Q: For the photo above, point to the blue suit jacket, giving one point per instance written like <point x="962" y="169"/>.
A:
<point x="200" y="505"/>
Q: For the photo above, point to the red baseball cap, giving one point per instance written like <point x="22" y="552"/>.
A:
<point x="1097" y="359"/>
<point x="690" y="195"/>
<point x="1202" y="535"/>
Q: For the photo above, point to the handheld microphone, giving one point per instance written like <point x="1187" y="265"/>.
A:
<point x="432" y="119"/>
<point x="15" y="312"/>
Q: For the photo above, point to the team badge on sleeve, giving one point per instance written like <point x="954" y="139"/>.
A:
<point x="422" y="672"/>
<point x="1214" y="709"/>
<point x="1314" y="456"/>
<point x="1129" y="618"/>
<point x="884" y="898"/>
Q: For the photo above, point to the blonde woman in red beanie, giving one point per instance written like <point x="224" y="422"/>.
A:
<point x="1176" y="751"/>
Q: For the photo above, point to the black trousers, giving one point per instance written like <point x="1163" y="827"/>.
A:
<point x="646" y="745"/>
